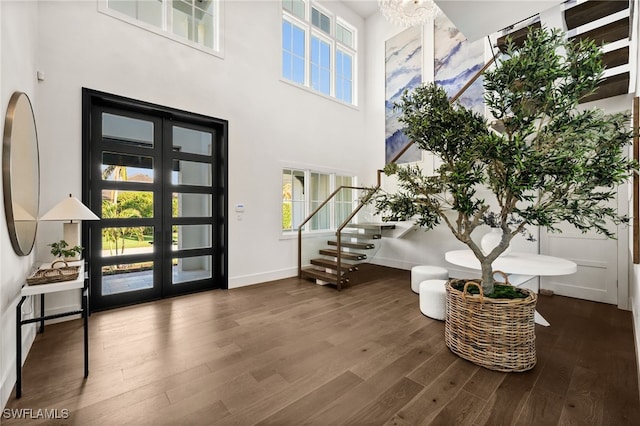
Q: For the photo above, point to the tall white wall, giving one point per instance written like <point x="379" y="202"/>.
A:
<point x="271" y="122"/>
<point x="18" y="50"/>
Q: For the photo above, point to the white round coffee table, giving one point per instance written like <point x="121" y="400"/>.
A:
<point x="521" y="267"/>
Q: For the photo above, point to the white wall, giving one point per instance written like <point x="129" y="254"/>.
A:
<point x="18" y="48"/>
<point x="432" y="244"/>
<point x="271" y="122"/>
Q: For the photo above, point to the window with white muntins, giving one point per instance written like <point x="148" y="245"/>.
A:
<point x="303" y="191"/>
<point x="318" y="50"/>
<point x="193" y="22"/>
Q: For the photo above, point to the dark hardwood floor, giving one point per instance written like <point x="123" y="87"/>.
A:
<point x="291" y="353"/>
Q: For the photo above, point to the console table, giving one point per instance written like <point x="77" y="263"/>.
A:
<point x="80" y="283"/>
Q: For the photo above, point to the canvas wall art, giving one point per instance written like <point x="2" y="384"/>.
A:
<point x="403" y="70"/>
<point x="455" y="61"/>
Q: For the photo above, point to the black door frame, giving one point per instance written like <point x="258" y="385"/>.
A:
<point x="168" y="117"/>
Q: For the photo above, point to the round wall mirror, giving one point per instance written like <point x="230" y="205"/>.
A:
<point x="21" y="173"/>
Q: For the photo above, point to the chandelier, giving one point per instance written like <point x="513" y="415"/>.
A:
<point x="408" y="13"/>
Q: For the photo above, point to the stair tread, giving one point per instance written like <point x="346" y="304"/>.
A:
<point x="591" y="11"/>
<point x="332" y="264"/>
<point x="372" y="225"/>
<point x="361" y="235"/>
<point x="345" y="254"/>
<point x="353" y="244"/>
<point x="614" y="85"/>
<point x="322" y="275"/>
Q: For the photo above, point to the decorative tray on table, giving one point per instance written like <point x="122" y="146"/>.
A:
<point x="54" y="274"/>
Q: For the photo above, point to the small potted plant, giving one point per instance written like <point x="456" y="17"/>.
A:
<point x="61" y="249"/>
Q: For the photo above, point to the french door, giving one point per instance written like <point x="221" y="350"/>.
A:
<point x="156" y="177"/>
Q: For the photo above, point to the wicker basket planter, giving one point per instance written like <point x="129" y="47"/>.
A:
<point x="498" y="334"/>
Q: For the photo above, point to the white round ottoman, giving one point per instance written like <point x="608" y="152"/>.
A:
<point x="426" y="272"/>
<point x="433" y="299"/>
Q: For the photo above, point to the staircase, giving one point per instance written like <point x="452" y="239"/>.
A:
<point x="608" y="24"/>
<point x="357" y="239"/>
<point x="356" y="243"/>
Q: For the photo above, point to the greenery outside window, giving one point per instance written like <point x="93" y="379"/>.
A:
<point x="193" y="22"/>
<point x="318" y="50"/>
<point x="303" y="191"/>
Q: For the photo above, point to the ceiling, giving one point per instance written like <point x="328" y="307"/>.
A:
<point x="364" y="8"/>
<point x="474" y="18"/>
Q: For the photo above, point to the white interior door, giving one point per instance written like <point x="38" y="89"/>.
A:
<point x="602" y="262"/>
<point x="597" y="260"/>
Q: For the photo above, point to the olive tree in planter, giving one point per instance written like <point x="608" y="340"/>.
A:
<point x="549" y="163"/>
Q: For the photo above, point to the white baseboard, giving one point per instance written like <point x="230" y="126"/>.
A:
<point x="454" y="272"/>
<point x="250" y="279"/>
<point x="392" y="263"/>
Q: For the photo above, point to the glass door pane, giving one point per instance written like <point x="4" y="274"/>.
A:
<point x="191" y="173"/>
<point x="126" y="153"/>
<point x="127" y="130"/>
<point x="132" y="168"/>
<point x="187" y="269"/>
<point x="191" y="205"/>
<point x="127" y="277"/>
<point x="192" y="237"/>
<point x="190" y="264"/>
<point x="192" y="141"/>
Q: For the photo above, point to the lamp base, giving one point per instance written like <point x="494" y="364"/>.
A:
<point x="71" y="234"/>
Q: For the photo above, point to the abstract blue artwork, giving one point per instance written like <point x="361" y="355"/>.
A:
<point x="403" y="70"/>
<point x="456" y="61"/>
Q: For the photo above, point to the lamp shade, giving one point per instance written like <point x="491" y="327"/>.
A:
<point x="69" y="209"/>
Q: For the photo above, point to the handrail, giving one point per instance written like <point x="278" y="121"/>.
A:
<point x="304" y="222"/>
<point x="365" y="199"/>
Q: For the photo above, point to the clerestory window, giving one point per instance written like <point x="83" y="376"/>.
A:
<point x="193" y="22"/>
<point x="318" y="50"/>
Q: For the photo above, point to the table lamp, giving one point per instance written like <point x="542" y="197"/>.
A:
<point x="70" y="209"/>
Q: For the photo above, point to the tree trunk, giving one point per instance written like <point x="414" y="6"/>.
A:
<point x="487" y="276"/>
<point x="487" y="260"/>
